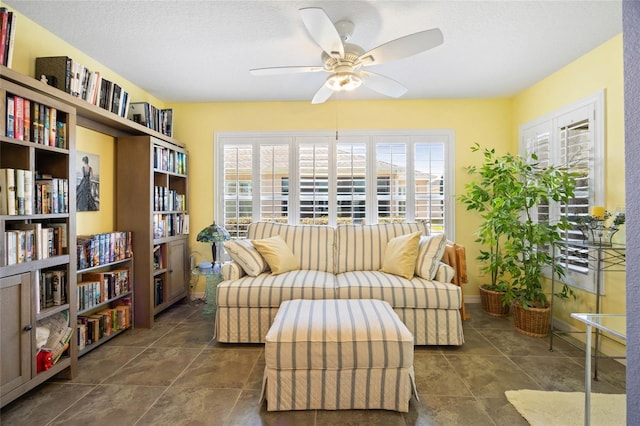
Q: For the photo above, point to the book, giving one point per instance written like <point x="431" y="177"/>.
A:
<point x="53" y="124"/>
<point x="4" y="22"/>
<point x="12" y="247"/>
<point x="20" y="191"/>
<point x="7" y="192"/>
<point x="11" y="36"/>
<point x="57" y="71"/>
<point x="10" y="116"/>
<point x="18" y="114"/>
<point x="35" y="122"/>
<point x="28" y="192"/>
<point x="27" y="121"/>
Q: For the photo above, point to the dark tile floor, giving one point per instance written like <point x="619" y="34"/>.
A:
<point x="175" y="374"/>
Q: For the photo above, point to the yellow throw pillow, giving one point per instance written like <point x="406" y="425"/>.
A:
<point x="401" y="254"/>
<point x="277" y="254"/>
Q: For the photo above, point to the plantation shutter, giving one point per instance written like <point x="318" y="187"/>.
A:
<point x="351" y="167"/>
<point x="274" y="183"/>
<point x="569" y="139"/>
<point x="238" y="189"/>
<point x="391" y="178"/>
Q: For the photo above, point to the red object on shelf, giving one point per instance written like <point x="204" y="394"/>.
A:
<point x="44" y="360"/>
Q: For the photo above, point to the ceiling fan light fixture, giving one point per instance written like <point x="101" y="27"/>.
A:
<point x="343" y="81"/>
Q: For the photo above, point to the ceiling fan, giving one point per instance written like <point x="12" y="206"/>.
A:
<point x="346" y="61"/>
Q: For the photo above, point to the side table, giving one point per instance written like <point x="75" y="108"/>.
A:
<point x="614" y="324"/>
<point x="213" y="279"/>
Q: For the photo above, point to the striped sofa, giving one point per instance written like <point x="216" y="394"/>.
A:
<point x="340" y="262"/>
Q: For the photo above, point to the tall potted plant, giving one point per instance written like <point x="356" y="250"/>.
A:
<point x="521" y="193"/>
<point x="485" y="194"/>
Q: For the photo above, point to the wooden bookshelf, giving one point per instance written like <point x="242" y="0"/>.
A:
<point x="19" y="315"/>
<point x="152" y="182"/>
<point x="32" y="265"/>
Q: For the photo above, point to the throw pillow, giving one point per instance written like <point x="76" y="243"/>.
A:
<point x="246" y="255"/>
<point x="277" y="254"/>
<point x="430" y="251"/>
<point x="400" y="255"/>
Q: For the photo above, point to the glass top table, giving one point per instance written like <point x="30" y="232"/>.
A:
<point x="614" y="324"/>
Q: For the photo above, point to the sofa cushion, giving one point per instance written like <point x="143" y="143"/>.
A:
<point x="400" y="255"/>
<point x="246" y="255"/>
<point x="399" y="292"/>
<point x="430" y="251"/>
<point x="268" y="290"/>
<point x="313" y="245"/>
<point x="277" y="254"/>
<point x="362" y="247"/>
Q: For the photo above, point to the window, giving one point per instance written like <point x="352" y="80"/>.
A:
<point x="572" y="137"/>
<point x="316" y="178"/>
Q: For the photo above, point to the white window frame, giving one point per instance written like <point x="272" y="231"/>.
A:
<point x="592" y="108"/>
<point x="369" y="137"/>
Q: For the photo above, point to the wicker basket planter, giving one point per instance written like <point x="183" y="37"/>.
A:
<point x="532" y="321"/>
<point x="492" y="302"/>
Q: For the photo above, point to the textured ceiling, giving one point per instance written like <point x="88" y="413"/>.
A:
<point x="196" y="51"/>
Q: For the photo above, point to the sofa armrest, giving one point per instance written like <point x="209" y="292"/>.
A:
<point x="445" y="273"/>
<point x="232" y="271"/>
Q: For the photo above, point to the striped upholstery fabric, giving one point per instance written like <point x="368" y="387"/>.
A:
<point x="232" y="271"/>
<point x="430" y="251"/>
<point x="312" y="245"/>
<point x="444" y="273"/>
<point x="398" y="291"/>
<point x="433" y="326"/>
<point x="268" y="290"/>
<point x="361" y="247"/>
<point x="388" y="389"/>
<point x="428" y="326"/>
<point x="338" y="354"/>
<point x="246" y="256"/>
<point x="243" y="325"/>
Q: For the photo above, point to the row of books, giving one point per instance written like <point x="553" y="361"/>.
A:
<point x="7" y="36"/>
<point x="74" y="78"/>
<point x="51" y="289"/>
<point x="26" y="242"/>
<point x="160" y="120"/>
<point x="92" y="328"/>
<point x="25" y="192"/>
<point x="168" y="160"/>
<point x="100" y="249"/>
<point x="165" y="199"/>
<point x="35" y="122"/>
<point x="99" y="287"/>
<point x="169" y="225"/>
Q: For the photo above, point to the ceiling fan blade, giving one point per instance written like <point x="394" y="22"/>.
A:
<point x="381" y="84"/>
<point x="284" y="70"/>
<point x="403" y="47"/>
<point x="322" y="95"/>
<point x="322" y="30"/>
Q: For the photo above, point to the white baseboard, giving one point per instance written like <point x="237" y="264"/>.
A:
<point x="472" y="299"/>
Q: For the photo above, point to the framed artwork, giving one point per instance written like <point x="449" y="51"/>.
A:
<point x="87" y="182"/>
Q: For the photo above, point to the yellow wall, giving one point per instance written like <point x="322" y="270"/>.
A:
<point x="485" y="121"/>
<point x="600" y="69"/>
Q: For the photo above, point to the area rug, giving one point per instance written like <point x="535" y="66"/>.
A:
<point x="542" y="408"/>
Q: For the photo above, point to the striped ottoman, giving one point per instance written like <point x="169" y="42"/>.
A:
<point x="338" y="354"/>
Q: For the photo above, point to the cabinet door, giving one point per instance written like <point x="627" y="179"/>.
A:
<point x="177" y="285"/>
<point x="16" y="334"/>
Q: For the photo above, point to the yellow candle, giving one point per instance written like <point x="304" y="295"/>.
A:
<point x="598" y="211"/>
